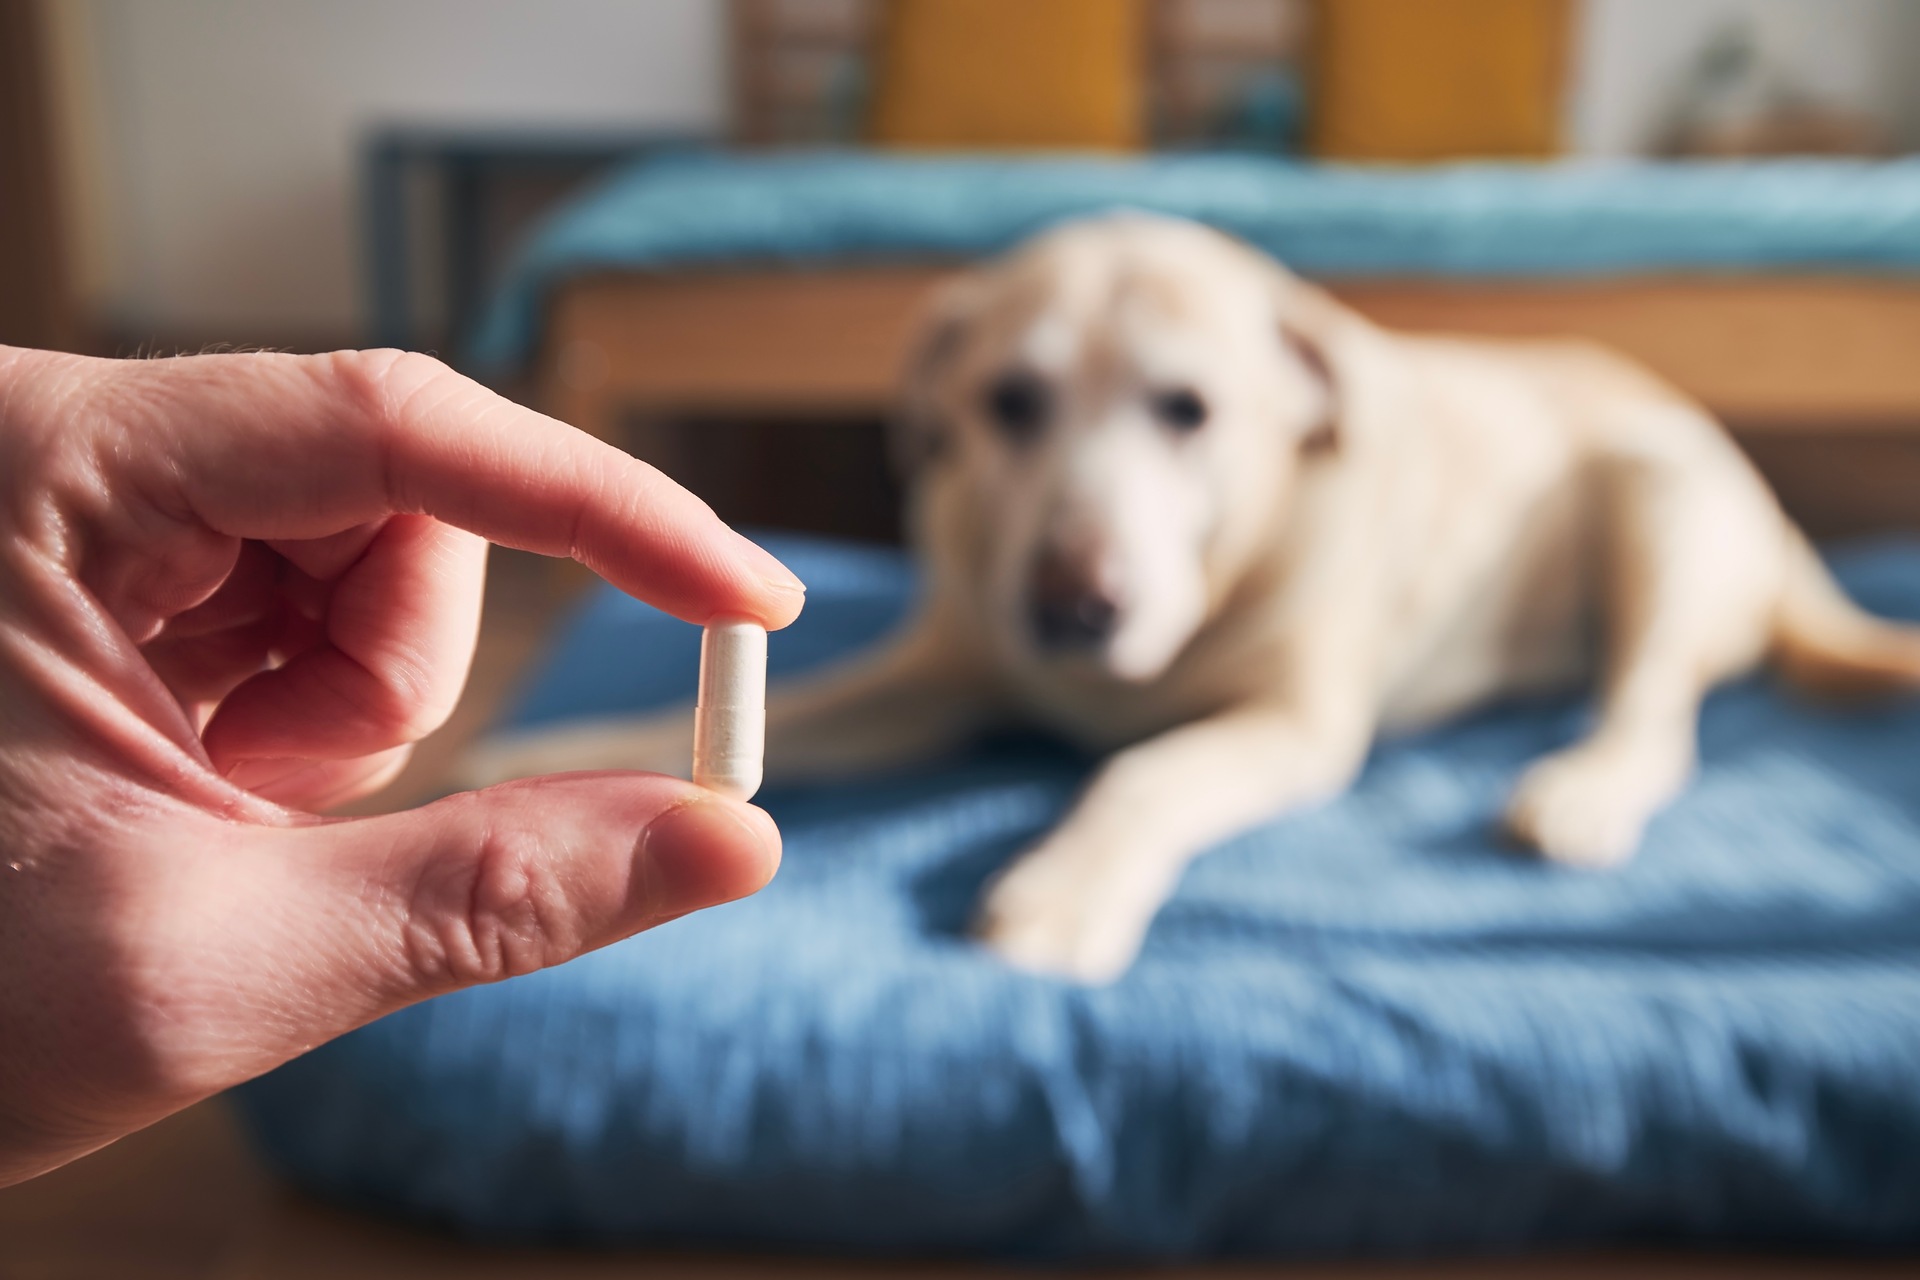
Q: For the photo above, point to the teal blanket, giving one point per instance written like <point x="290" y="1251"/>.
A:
<point x="711" y="210"/>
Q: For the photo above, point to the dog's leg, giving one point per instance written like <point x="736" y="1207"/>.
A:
<point x="913" y="697"/>
<point x="922" y="694"/>
<point x="1694" y="559"/>
<point x="1078" y="904"/>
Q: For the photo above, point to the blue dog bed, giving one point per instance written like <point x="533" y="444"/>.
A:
<point x="1367" y="1028"/>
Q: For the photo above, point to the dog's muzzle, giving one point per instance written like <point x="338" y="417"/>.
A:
<point x="1068" y="608"/>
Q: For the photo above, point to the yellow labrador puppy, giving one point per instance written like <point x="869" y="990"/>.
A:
<point x="1177" y="504"/>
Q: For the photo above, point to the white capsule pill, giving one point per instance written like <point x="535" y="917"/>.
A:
<point x="730" y="717"/>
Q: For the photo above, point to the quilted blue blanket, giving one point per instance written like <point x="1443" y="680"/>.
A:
<point x="1367" y="1028"/>
<point x="706" y="210"/>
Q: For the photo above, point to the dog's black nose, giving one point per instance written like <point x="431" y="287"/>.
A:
<point x="1069" y="609"/>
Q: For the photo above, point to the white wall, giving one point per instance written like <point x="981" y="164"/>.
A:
<point x="232" y="126"/>
<point x="225" y="129"/>
<point x="1635" y="54"/>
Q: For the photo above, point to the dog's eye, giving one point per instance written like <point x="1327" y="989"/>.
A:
<point x="1181" y="408"/>
<point x="1018" y="403"/>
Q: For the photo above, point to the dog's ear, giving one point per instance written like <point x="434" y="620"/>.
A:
<point x="1324" y="435"/>
<point x="1312" y="328"/>
<point x="919" y="433"/>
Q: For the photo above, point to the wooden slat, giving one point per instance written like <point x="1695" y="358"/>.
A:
<point x="1769" y="353"/>
<point x="798" y="342"/>
<point x="1766" y="354"/>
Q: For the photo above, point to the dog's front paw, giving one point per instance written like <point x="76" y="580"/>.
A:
<point x="1058" y="913"/>
<point x="1583" y="808"/>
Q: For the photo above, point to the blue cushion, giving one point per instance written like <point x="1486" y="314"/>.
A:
<point x="1366" y="1028"/>
<point x="700" y="210"/>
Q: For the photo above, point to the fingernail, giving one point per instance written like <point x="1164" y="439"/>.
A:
<point x="768" y="567"/>
<point x="707" y="851"/>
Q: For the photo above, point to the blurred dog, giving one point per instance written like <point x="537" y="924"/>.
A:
<point x="1173" y="502"/>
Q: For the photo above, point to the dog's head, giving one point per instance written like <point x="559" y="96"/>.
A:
<point x="1109" y="420"/>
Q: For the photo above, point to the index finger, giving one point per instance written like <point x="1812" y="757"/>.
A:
<point x="276" y="446"/>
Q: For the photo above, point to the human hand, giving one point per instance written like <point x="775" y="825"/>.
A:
<point x="235" y="589"/>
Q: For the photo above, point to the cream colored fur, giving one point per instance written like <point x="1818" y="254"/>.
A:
<point x="1370" y="531"/>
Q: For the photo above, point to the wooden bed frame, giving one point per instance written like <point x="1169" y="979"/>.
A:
<point x="1818" y="376"/>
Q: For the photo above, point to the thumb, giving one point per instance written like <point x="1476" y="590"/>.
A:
<point x="489" y="884"/>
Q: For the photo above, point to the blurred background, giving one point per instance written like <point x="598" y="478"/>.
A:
<point x="203" y="165"/>
<point x="476" y="178"/>
<point x="189" y="173"/>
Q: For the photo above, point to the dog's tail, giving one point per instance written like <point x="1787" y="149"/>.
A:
<point x="1830" y="647"/>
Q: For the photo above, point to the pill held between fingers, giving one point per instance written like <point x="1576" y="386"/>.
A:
<point x="730" y="716"/>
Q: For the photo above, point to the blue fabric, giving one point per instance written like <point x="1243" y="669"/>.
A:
<point x="692" y="210"/>
<point x="1367" y="1028"/>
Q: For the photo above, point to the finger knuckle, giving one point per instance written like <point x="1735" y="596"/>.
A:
<point x="406" y="702"/>
<point x="398" y="700"/>
<point x="385" y="370"/>
<point x="495" y="910"/>
<point x="381" y="384"/>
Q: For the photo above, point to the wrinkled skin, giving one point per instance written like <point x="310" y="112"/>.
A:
<point x="234" y="590"/>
